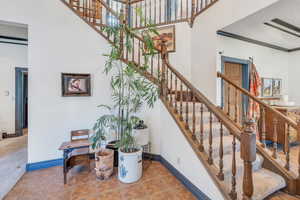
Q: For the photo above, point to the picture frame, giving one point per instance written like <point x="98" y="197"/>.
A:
<point x="276" y="87"/>
<point x="266" y="89"/>
<point x="75" y="85"/>
<point x="168" y="33"/>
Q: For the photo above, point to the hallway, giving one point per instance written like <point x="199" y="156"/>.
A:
<point x="13" y="159"/>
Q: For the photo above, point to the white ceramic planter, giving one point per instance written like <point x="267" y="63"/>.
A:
<point x="142" y="136"/>
<point x="130" y="166"/>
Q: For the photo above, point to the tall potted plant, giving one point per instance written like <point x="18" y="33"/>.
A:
<point x="130" y="91"/>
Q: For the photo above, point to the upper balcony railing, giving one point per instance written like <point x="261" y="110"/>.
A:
<point x="138" y="12"/>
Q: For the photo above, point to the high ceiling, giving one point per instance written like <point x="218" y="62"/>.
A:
<point x="277" y="26"/>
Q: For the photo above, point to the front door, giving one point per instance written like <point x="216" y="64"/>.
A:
<point x="232" y="97"/>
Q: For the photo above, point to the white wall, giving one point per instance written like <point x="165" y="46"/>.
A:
<point x="205" y="41"/>
<point x="181" y="59"/>
<point x="270" y="63"/>
<point x="11" y="56"/>
<point x="294" y="81"/>
<point x="177" y="151"/>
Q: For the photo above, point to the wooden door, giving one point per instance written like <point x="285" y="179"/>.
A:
<point x="232" y="97"/>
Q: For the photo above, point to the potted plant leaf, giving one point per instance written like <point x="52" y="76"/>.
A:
<point x="130" y="91"/>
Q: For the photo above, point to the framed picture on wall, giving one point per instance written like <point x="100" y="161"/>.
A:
<point x="166" y="33"/>
<point x="276" y="87"/>
<point x="76" y="84"/>
<point x="266" y="89"/>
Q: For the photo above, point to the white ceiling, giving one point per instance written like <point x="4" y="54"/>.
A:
<point x="253" y="26"/>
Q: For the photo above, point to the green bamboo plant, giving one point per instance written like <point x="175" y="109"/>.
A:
<point x="130" y="90"/>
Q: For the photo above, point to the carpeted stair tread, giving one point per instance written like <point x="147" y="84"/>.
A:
<point x="227" y="145"/>
<point x="227" y="163"/>
<point x="265" y="183"/>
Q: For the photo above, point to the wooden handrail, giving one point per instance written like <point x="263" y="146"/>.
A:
<point x="261" y="103"/>
<point x="228" y="123"/>
<point x="110" y="10"/>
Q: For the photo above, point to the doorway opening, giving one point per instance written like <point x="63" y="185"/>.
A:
<point x="21" y="122"/>
<point x="238" y="71"/>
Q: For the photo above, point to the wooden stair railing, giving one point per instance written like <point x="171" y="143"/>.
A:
<point x="163" y="12"/>
<point x="181" y="87"/>
<point x="158" y="12"/>
<point x="278" y="157"/>
<point x="181" y="98"/>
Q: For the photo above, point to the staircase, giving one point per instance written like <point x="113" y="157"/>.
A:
<point x="237" y="163"/>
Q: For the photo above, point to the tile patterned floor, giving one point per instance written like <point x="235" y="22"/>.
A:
<point x="157" y="183"/>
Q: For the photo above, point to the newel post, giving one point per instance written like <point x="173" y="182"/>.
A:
<point x="164" y="57"/>
<point x="248" y="155"/>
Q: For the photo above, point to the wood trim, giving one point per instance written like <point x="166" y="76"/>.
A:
<point x="135" y="1"/>
<point x="246" y="39"/>
<point x="257" y="42"/>
<point x="295" y="49"/>
<point x="286" y="24"/>
<point x="13" y="38"/>
<point x="16" y="43"/>
<point x="281" y="29"/>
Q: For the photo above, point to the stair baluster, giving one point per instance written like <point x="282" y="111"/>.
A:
<point x="248" y="154"/>
<point x="186" y="98"/>
<point x="221" y="165"/>
<point x="171" y="89"/>
<point x="275" y="138"/>
<point x="287" y="148"/>
<point x="181" y="9"/>
<point x="201" y="147"/>
<point x="210" y="141"/>
<point x="228" y="100"/>
<point x="236" y="106"/>
<point x="133" y="49"/>
<point x="167" y="83"/>
<point x="139" y="53"/>
<point x="263" y="127"/>
<point x="194" y="116"/>
<point x="158" y="67"/>
<point x="160" y="20"/>
<point x="164" y="82"/>
<point x="176" y="106"/>
<point x="187" y="10"/>
<point x="233" y="193"/>
<point x="181" y="97"/>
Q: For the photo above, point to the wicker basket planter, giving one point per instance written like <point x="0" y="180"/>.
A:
<point x="104" y="163"/>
